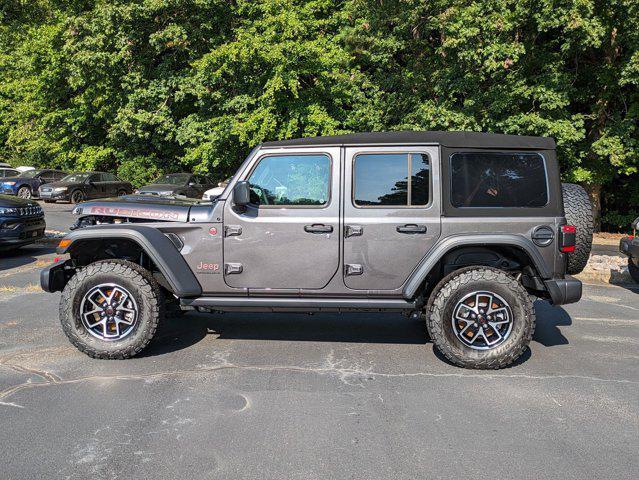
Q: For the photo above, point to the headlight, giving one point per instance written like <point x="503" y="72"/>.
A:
<point x="77" y="211"/>
<point x="205" y="196"/>
<point x="8" y="211"/>
<point x="60" y="189"/>
<point x="10" y="184"/>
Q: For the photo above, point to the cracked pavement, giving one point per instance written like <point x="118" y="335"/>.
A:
<point x="351" y="396"/>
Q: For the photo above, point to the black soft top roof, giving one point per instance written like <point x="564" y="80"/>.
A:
<point x="448" y="139"/>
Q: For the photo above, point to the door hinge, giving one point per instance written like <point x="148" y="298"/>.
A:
<point x="232" y="230"/>
<point x="353" y="269"/>
<point x="231" y="268"/>
<point x="353" y="231"/>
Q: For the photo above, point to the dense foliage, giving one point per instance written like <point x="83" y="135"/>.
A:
<point x="149" y="86"/>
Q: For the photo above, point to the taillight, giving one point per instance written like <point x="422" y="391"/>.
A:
<point x="567" y="238"/>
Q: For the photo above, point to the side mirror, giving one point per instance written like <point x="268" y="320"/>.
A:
<point x="242" y="193"/>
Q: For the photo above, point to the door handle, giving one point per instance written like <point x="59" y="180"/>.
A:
<point x="318" y="228"/>
<point x="411" y="228"/>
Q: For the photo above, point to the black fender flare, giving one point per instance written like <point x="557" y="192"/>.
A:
<point x="484" y="240"/>
<point x="155" y="244"/>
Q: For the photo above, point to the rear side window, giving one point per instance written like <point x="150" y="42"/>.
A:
<point x="485" y="179"/>
<point x="393" y="179"/>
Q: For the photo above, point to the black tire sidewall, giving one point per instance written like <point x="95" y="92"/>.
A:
<point x="132" y="343"/>
<point x="633" y="270"/>
<point x="458" y="285"/>
<point x="516" y="334"/>
<point x="73" y="195"/>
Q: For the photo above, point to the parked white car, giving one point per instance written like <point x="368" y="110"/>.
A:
<point x="25" y="169"/>
<point x="213" y="193"/>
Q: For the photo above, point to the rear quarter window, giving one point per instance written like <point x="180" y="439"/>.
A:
<point x="498" y="180"/>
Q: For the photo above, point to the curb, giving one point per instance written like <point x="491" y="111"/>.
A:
<point x="611" y="277"/>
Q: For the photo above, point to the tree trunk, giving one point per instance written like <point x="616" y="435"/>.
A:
<point x="594" y="191"/>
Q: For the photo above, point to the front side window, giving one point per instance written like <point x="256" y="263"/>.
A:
<point x="494" y="179"/>
<point x="291" y="180"/>
<point x="393" y="179"/>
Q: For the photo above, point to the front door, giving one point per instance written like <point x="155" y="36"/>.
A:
<point x="287" y="238"/>
<point x="391" y="214"/>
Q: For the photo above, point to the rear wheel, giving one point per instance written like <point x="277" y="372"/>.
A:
<point x="122" y="192"/>
<point x="480" y="317"/>
<point x="77" y="196"/>
<point x="579" y="214"/>
<point x="111" y="309"/>
<point x="24" y="192"/>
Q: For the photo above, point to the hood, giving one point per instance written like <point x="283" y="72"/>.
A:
<point x="9" y="201"/>
<point x="139" y="206"/>
<point x="160" y="187"/>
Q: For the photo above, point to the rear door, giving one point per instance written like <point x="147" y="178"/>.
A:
<point x="288" y="237"/>
<point x="391" y="214"/>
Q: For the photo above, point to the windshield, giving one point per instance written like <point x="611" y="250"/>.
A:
<point x="172" y="179"/>
<point x="76" y="177"/>
<point x="29" y="173"/>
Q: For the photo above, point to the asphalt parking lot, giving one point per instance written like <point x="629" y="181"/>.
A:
<point x="352" y="396"/>
<point x="324" y="396"/>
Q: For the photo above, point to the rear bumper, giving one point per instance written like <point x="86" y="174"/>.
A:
<point x="564" y="291"/>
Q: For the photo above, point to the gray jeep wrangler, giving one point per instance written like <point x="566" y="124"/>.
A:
<point x="461" y="229"/>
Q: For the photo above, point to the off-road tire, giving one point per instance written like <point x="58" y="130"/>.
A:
<point x="25" y="192"/>
<point x="454" y="287"/>
<point x="139" y="282"/>
<point x="578" y="211"/>
<point x="76" y="196"/>
<point x="634" y="271"/>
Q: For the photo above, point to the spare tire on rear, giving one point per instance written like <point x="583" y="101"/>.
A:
<point x="578" y="212"/>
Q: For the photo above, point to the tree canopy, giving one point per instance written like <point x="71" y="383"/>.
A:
<point x="150" y="86"/>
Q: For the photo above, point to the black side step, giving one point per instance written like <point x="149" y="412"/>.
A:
<point x="298" y="303"/>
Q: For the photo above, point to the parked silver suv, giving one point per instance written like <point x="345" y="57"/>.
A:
<point x="462" y="229"/>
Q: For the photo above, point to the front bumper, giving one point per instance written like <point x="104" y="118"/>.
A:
<point x="21" y="231"/>
<point x="630" y="246"/>
<point x="564" y="291"/>
<point x="51" y="195"/>
<point x="8" y="190"/>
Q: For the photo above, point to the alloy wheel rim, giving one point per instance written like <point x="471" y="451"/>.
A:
<point x="482" y="320"/>
<point x="109" y="312"/>
<point x="24" y="193"/>
<point x="77" y="197"/>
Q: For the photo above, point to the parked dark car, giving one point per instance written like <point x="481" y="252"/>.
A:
<point x="629" y="246"/>
<point x="26" y="184"/>
<point x="21" y="222"/>
<point x="6" y="172"/>
<point x="178" y="184"/>
<point x="81" y="186"/>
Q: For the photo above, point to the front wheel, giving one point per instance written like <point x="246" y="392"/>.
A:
<point x="24" y="192"/>
<point x="111" y="309"/>
<point x="480" y="317"/>
<point x="77" y="197"/>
